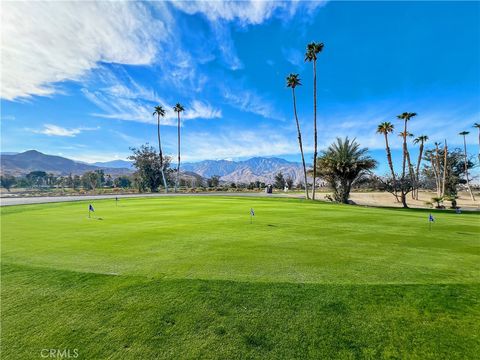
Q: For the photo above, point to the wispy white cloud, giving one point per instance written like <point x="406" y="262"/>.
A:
<point x="44" y="43"/>
<point x="201" y="110"/>
<point x="236" y="144"/>
<point x="125" y="99"/>
<point x="248" y="12"/>
<point x="362" y="122"/>
<point x="226" y="46"/>
<point x="293" y="56"/>
<point x="93" y="157"/>
<point x="250" y="101"/>
<point x="55" y="130"/>
<point x="7" y="117"/>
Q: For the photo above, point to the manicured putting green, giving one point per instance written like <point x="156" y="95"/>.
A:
<point x="190" y="277"/>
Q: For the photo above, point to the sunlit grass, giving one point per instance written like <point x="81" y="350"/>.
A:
<point x="190" y="277"/>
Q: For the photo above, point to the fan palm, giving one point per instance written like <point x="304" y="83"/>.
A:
<point x="422" y="139"/>
<point x="178" y="108"/>
<point x="311" y="55"/>
<point x="293" y="81"/>
<point x="406" y="116"/>
<point x="464" y="134"/>
<point x="160" y="112"/>
<point x="386" y="128"/>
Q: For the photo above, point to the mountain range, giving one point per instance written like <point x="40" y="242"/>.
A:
<point x="257" y="168"/>
<point x="32" y="160"/>
<point x="254" y="169"/>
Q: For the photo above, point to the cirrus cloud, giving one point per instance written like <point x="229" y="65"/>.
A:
<point x="44" y="43"/>
<point x="55" y="130"/>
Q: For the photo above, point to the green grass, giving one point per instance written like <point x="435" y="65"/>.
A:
<point x="190" y="277"/>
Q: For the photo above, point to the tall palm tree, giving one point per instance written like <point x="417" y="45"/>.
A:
<point x="477" y="125"/>
<point x="465" y="133"/>
<point x="178" y="108"/>
<point x="422" y="139"/>
<point x="160" y="112"/>
<point x="406" y="116"/>
<point x="311" y="55"/>
<point x="293" y="81"/>
<point x="386" y="128"/>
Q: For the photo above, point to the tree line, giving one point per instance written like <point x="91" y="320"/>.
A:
<point x="344" y="162"/>
<point x="90" y="180"/>
<point x="443" y="171"/>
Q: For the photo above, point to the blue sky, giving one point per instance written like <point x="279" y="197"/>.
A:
<point x="81" y="80"/>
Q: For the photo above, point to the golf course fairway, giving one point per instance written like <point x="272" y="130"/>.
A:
<point x="197" y="278"/>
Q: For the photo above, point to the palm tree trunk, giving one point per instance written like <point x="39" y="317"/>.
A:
<point x="420" y="153"/>
<point x="404" y="149"/>
<point x="178" y="163"/>
<point x="315" y="146"/>
<point x="411" y="172"/>
<point x="445" y="158"/>
<point x="403" y="195"/>
<point x="390" y="164"/>
<point x="161" y="155"/>
<point x="466" y="169"/>
<point x="300" y="143"/>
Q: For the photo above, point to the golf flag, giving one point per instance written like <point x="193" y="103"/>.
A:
<point x="252" y="213"/>
<point x="90" y="209"/>
<point x="431" y="218"/>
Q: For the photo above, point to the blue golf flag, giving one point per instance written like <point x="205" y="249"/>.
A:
<point x="431" y="218"/>
<point x="90" y="208"/>
<point x="252" y="212"/>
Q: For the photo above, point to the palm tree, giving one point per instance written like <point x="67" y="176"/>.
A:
<point x="311" y="55"/>
<point x="422" y="139"/>
<point x="343" y="163"/>
<point x="406" y="116"/>
<point x="386" y="128"/>
<point x="465" y="133"/>
<point x="293" y="81"/>
<point x="178" y="109"/>
<point x="477" y="125"/>
<point x="160" y="112"/>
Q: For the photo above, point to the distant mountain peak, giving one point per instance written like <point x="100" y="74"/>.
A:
<point x="33" y="160"/>
<point x="246" y="171"/>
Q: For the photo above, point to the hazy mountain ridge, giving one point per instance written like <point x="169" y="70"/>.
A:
<point x="258" y="168"/>
<point x="254" y="169"/>
<point x="115" y="164"/>
<point x="32" y="160"/>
